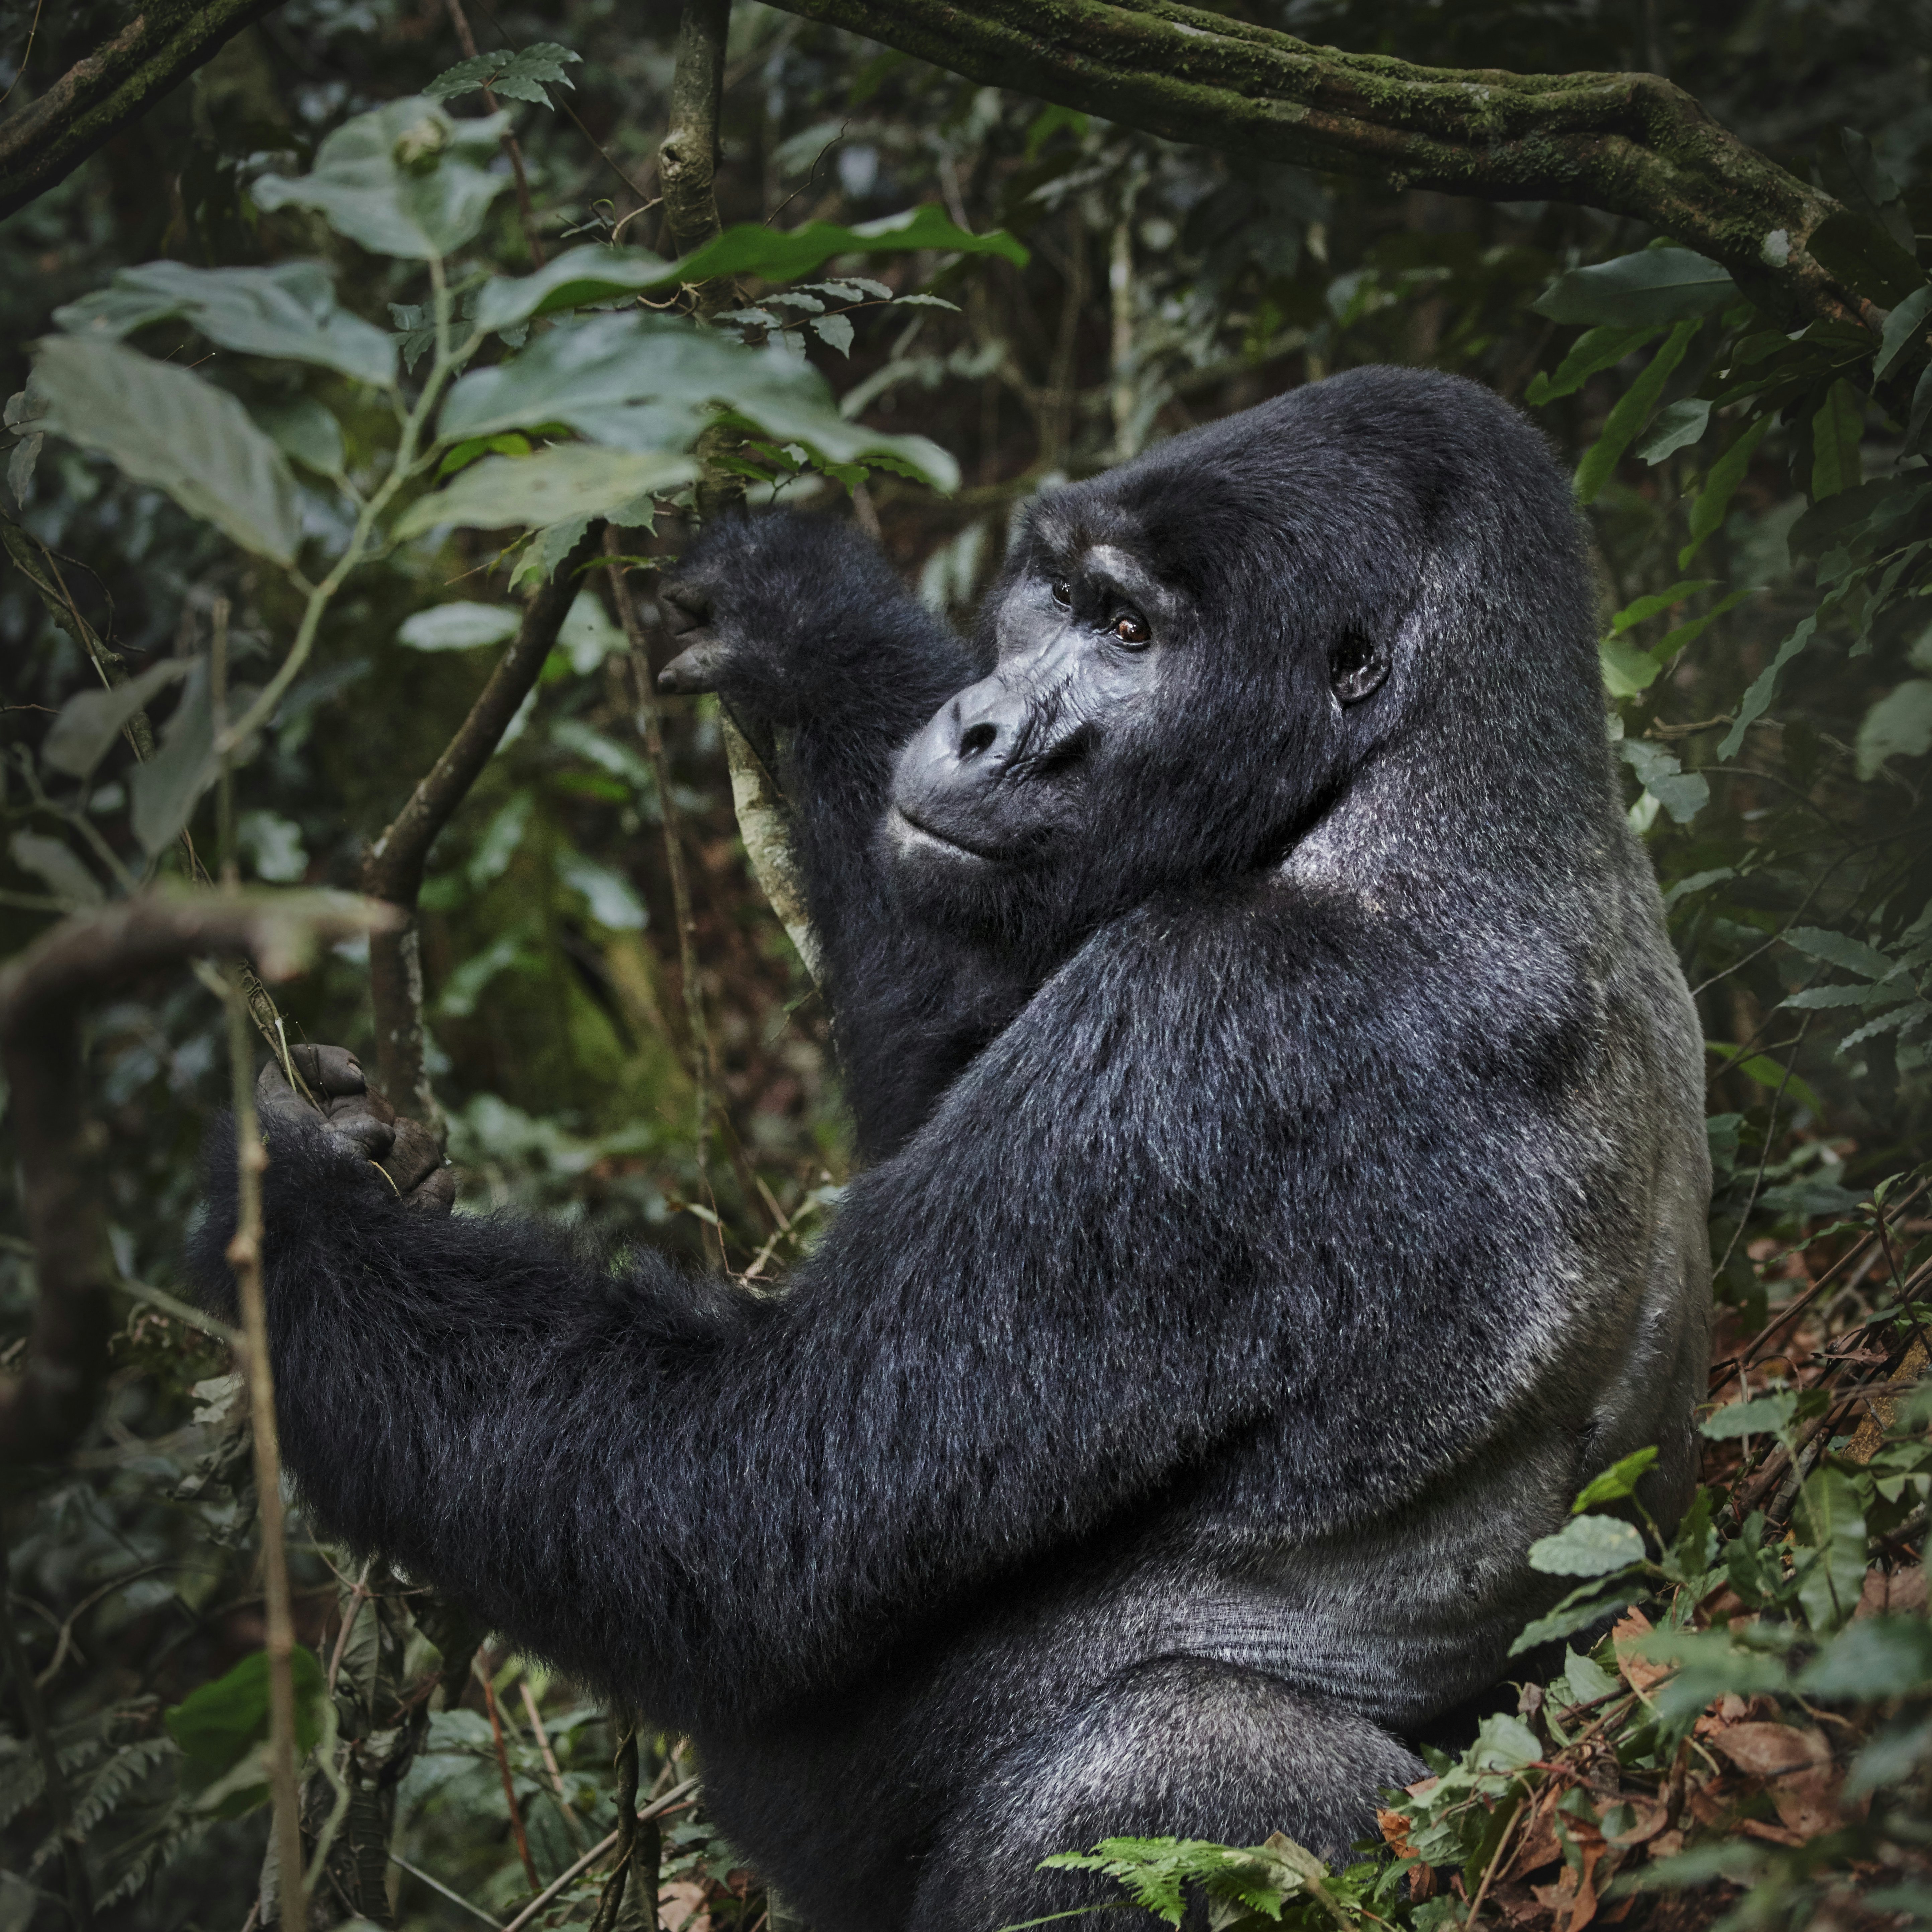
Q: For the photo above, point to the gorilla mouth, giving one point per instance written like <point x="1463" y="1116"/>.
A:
<point x="909" y="830"/>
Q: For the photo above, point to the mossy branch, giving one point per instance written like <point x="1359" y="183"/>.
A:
<point x="163" y="43"/>
<point x="1631" y="144"/>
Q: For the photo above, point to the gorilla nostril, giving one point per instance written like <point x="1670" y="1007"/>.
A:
<point x="979" y="738"/>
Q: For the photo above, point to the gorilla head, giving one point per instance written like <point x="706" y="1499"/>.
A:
<point x="1194" y="660"/>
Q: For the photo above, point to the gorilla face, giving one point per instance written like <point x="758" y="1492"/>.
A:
<point x="1000" y="775"/>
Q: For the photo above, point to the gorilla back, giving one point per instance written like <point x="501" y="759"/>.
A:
<point x="1286" y="1186"/>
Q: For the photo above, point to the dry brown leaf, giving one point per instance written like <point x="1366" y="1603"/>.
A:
<point x="681" y="1906"/>
<point x="1772" y="1835"/>
<point x="1394" y="1830"/>
<point x="1667" y="1844"/>
<point x="1901" y="1595"/>
<point x="1796" y="1766"/>
<point x="1639" y="1673"/>
<point x="1539" y="1846"/>
<point x="1652" y="1817"/>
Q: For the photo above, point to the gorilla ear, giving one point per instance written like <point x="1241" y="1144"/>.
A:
<point x="1357" y="667"/>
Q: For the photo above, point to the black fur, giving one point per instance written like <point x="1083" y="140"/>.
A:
<point x="1287" y="1186"/>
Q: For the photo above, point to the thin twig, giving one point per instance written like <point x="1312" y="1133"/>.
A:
<point x="436" y="1884"/>
<point x="703" y="1066"/>
<point x="245" y="1257"/>
<point x="655" y="1809"/>
<point x="612" y="1899"/>
<point x="503" y="1765"/>
<point x="572" y="1823"/>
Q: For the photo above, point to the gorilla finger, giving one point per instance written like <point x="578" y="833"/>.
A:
<point x="413" y="1155"/>
<point x="369" y="1132"/>
<point x="435" y="1195"/>
<point x="685" y="608"/>
<point x="330" y="1071"/>
<point x="698" y="668"/>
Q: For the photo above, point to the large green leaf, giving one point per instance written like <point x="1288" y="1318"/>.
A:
<point x="573" y="481"/>
<point x="168" y="427"/>
<point x="1830" y="1522"/>
<point x="577" y="277"/>
<point x="601" y="375"/>
<point x="1588" y="1546"/>
<point x="289" y="310"/>
<point x="219" y="1727"/>
<point x="752" y="249"/>
<point x="1630" y="413"/>
<point x="90" y="721"/>
<point x="520" y="76"/>
<point x="165" y="789"/>
<point x="1857" y="252"/>
<point x="1904" y="331"/>
<point x="1655" y="285"/>
<point x="406" y="180"/>
<point x="1898" y="726"/>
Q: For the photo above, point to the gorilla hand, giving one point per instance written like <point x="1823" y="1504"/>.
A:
<point x="701" y="664"/>
<point x="402" y="1151"/>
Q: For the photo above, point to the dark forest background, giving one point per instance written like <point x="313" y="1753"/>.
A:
<point x="1750" y="477"/>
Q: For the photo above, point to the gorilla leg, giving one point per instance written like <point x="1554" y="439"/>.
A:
<point x="1182" y="1747"/>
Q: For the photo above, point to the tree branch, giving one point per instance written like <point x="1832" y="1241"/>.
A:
<point x="42" y="995"/>
<point x="90" y="103"/>
<point x="1631" y="144"/>
<point x="392" y="868"/>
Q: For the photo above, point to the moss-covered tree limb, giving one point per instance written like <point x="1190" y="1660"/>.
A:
<point x="1631" y="144"/>
<point x="159" y="47"/>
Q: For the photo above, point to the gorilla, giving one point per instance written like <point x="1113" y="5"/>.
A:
<point x="1285" y="1184"/>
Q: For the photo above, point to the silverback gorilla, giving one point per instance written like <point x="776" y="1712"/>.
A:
<point x="1285" y="1185"/>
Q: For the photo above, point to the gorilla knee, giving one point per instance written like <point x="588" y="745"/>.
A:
<point x="1183" y="1748"/>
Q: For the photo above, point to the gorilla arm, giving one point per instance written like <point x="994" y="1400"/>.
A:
<point x="798" y="622"/>
<point x="1114" y="1246"/>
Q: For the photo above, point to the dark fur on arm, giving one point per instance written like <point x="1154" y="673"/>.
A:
<point x="814" y="633"/>
<point x="714" y="1505"/>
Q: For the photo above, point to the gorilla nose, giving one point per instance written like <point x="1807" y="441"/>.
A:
<point x="948" y="776"/>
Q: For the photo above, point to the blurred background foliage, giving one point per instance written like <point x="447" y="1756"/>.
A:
<point x="1742" y="485"/>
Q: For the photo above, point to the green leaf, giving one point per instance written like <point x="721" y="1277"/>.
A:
<point x="1654" y="285"/>
<point x="1707" y="512"/>
<point x="521" y="76"/>
<point x="168" y="427"/>
<point x="1756" y="700"/>
<point x="1596" y="349"/>
<point x="835" y="331"/>
<point x="49" y="859"/>
<point x="216" y="1724"/>
<point x="1876" y="186"/>
<point x="1619" y="1481"/>
<point x="1631" y="412"/>
<point x="1676" y="427"/>
<point x="640" y="382"/>
<point x="1588" y="1546"/>
<point x="164" y="789"/>
<point x="1587" y="1680"/>
<point x="306" y="431"/>
<point x="1581" y="1610"/>
<point x="1874" y="1658"/>
<point x="1898" y="726"/>
<point x="90" y="721"/>
<point x="752" y="249"/>
<point x="613" y="900"/>
<point x="1856" y="251"/>
<point x="1830" y="1522"/>
<point x="592" y="274"/>
<point x="406" y="180"/>
<point x="574" y="481"/>
<point x="1891" y="1757"/>
<point x="1839" y="949"/>
<point x="1904" y="330"/>
<point x="459" y="626"/>
<point x="289" y="311"/>
<point x="1683" y="794"/>
<point x="1837" y="430"/>
<point x="1645" y="608"/>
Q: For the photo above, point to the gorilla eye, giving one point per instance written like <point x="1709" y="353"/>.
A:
<point x="1063" y="591"/>
<point x="1357" y="668"/>
<point x="1131" y="629"/>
